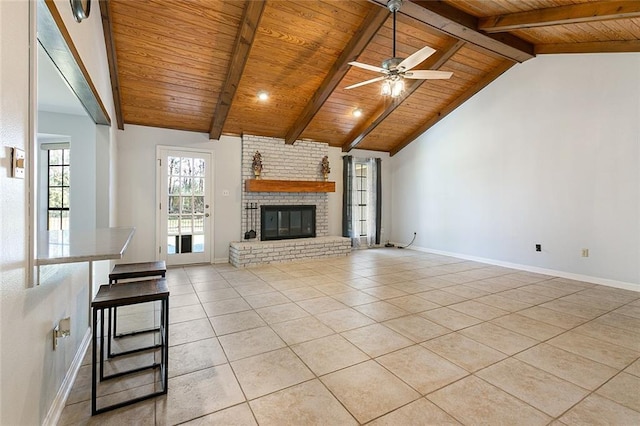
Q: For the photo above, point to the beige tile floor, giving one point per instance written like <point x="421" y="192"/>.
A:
<point x="386" y="337"/>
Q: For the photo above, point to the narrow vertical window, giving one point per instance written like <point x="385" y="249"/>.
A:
<point x="361" y="197"/>
<point x="58" y="189"/>
<point x="361" y="202"/>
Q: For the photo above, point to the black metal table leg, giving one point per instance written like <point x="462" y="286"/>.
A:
<point x="94" y="348"/>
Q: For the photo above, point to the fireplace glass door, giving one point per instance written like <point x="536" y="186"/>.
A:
<point x="286" y="222"/>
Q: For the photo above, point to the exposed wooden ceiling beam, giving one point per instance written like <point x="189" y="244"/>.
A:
<point x="590" y="47"/>
<point x="456" y="23"/>
<point x="495" y="73"/>
<point x="107" y="29"/>
<point x="244" y="40"/>
<point x="571" y="14"/>
<point x="372" y="23"/>
<point x="432" y="63"/>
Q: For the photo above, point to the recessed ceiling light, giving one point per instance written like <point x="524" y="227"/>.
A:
<point x="263" y="95"/>
<point x="357" y="112"/>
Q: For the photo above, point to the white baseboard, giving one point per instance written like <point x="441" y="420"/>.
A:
<point x="562" y="274"/>
<point x="220" y="260"/>
<point x="55" y="411"/>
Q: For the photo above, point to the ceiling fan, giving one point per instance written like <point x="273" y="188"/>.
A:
<point x="395" y="70"/>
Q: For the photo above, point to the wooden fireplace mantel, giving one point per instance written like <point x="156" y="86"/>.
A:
<point x="265" y="185"/>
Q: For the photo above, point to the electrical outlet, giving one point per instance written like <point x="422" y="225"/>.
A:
<point x="225" y="192"/>
<point x="585" y="252"/>
<point x="538" y="247"/>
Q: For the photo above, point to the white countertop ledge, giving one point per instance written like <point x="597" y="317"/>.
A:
<point x="56" y="247"/>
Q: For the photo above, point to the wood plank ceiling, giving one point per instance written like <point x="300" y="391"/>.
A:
<point x="198" y="65"/>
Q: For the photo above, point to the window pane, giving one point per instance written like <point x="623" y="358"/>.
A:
<point x="186" y="205"/>
<point x="55" y="157"/>
<point x="171" y="244"/>
<point x="198" y="244"/>
<point x="198" y="224"/>
<point x="174" y="205"/>
<point x="66" y="154"/>
<point x="172" y="224"/>
<point x="54" y="220"/>
<point x="198" y="167"/>
<point x="198" y="186"/>
<point x="187" y="186"/>
<point x="174" y="166"/>
<point x="65" y="176"/>
<point x="187" y="169"/>
<point x="174" y="185"/>
<point x="65" y="219"/>
<point x="198" y="204"/>
<point x="185" y="225"/>
<point x="55" y="198"/>
<point x="65" y="197"/>
<point x="55" y="176"/>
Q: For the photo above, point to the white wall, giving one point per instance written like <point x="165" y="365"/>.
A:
<point x="31" y="373"/>
<point x="548" y="154"/>
<point x="136" y="195"/>
<point x="82" y="143"/>
<point x="136" y="192"/>
<point x="103" y="176"/>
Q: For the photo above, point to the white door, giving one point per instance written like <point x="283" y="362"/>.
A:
<point x="185" y="196"/>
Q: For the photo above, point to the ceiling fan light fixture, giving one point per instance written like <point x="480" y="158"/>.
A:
<point x="386" y="88"/>
<point x="394" y="70"/>
<point x="397" y="87"/>
<point x="392" y="87"/>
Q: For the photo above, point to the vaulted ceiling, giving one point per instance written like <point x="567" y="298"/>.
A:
<point x="198" y="65"/>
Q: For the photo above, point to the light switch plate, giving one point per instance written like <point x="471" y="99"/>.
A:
<point x="17" y="169"/>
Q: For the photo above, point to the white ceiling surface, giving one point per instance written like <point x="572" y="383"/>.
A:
<point x="54" y="94"/>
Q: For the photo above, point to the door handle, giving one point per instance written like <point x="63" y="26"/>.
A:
<point x="206" y="215"/>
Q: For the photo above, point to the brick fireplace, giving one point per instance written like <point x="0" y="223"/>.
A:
<point x="300" y="161"/>
<point x="281" y="162"/>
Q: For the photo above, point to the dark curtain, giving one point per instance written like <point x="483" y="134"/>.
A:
<point x="347" y="182"/>
<point x="378" y="199"/>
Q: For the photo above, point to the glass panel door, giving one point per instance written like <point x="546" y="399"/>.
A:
<point x="185" y="234"/>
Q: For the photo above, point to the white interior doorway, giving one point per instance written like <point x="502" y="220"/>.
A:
<point x="185" y="211"/>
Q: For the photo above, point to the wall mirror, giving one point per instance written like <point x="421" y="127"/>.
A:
<point x="66" y="120"/>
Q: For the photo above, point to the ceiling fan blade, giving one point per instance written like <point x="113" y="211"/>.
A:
<point x="416" y="58"/>
<point x="368" y="67"/>
<point x="428" y="75"/>
<point x="362" y="83"/>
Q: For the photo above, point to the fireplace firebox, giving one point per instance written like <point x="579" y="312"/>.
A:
<point x="287" y="222"/>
